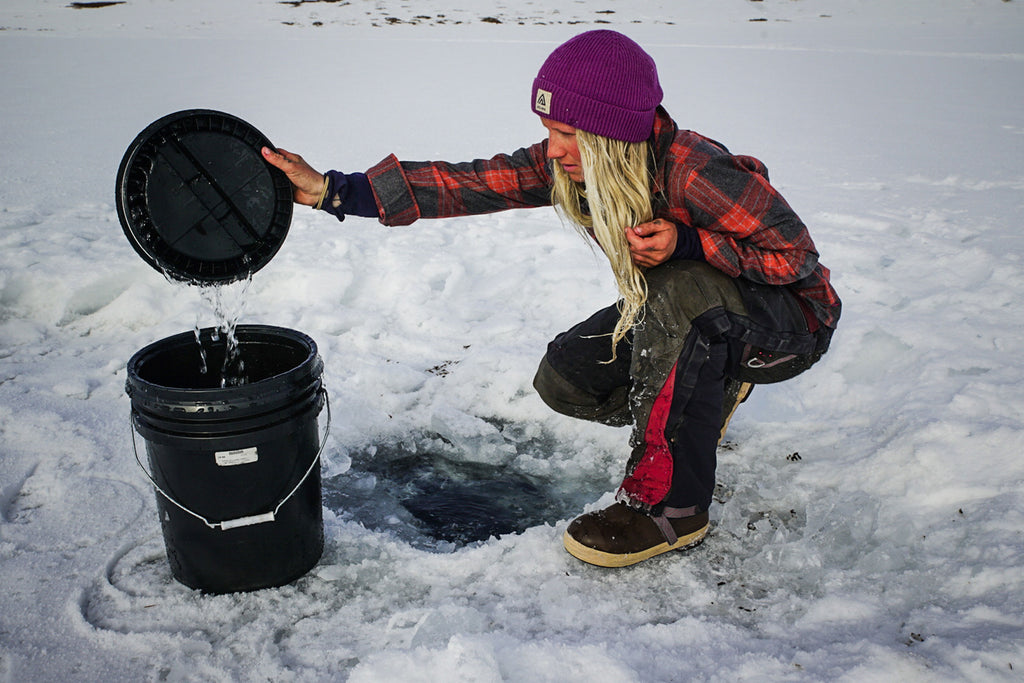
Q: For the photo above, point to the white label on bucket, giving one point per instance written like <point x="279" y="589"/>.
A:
<point x="241" y="456"/>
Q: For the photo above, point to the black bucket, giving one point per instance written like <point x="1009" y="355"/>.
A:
<point x="236" y="468"/>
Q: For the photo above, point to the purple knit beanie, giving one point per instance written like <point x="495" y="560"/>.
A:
<point x="601" y="82"/>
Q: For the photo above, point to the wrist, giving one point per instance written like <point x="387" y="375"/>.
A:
<point x="688" y="244"/>
<point x="319" y="203"/>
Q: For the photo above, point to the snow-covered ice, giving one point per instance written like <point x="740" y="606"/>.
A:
<point x="869" y="523"/>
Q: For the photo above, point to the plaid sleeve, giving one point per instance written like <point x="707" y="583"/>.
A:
<point x="409" y="190"/>
<point x="746" y="228"/>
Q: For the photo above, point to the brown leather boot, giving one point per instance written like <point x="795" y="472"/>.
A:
<point x="619" y="536"/>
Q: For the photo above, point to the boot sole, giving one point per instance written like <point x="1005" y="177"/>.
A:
<point x="600" y="558"/>
<point x="741" y="396"/>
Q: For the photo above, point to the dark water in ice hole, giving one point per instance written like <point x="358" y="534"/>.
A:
<point x="431" y="500"/>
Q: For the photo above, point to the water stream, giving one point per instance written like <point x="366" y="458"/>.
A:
<point x="227" y="303"/>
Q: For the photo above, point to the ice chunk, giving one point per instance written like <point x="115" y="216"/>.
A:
<point x="476" y="440"/>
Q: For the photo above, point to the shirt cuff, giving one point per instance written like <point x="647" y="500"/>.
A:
<point x="349" y="194"/>
<point x="687" y="244"/>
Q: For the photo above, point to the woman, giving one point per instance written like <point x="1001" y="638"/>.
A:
<point x="719" y="280"/>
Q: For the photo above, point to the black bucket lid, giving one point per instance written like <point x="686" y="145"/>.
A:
<point x="198" y="202"/>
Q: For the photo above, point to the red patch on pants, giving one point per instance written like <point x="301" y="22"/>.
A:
<point x="651" y="479"/>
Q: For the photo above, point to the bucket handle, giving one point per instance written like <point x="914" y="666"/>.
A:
<point x="251" y="519"/>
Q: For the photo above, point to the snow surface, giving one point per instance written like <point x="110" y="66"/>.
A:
<point x="870" y="518"/>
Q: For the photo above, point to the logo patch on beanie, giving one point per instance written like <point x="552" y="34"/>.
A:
<point x="543" y="102"/>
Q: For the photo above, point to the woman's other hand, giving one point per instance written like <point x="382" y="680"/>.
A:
<point x="651" y="244"/>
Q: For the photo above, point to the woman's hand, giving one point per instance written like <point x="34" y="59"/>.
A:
<point x="308" y="183"/>
<point x="651" y="244"/>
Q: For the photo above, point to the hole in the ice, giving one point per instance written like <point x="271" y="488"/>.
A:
<point x="431" y="499"/>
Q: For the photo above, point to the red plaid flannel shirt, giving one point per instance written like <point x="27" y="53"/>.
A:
<point x="746" y="228"/>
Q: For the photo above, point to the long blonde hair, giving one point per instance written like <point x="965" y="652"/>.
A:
<point x="616" y="196"/>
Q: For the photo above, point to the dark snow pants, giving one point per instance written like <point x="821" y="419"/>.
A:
<point x="699" y="327"/>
